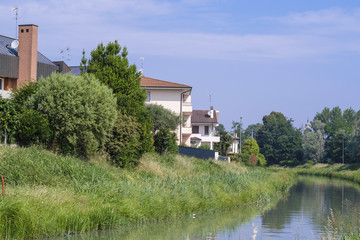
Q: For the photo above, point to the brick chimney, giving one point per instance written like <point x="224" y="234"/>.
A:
<point x="27" y="52"/>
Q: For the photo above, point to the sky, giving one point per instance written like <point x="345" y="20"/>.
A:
<point x="251" y="57"/>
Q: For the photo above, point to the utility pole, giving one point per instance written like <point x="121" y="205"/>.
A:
<point x="240" y="134"/>
<point x="343" y="155"/>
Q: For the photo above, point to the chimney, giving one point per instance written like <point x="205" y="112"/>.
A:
<point x="211" y="112"/>
<point x="27" y="52"/>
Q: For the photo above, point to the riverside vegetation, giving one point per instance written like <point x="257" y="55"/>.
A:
<point x="48" y="194"/>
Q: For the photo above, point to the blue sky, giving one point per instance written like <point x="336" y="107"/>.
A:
<point x="252" y="57"/>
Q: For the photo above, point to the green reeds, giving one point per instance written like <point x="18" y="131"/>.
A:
<point x="51" y="195"/>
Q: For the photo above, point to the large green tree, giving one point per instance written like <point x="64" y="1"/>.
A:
<point x="80" y="110"/>
<point x="278" y="140"/>
<point x="111" y="66"/>
<point x="338" y="132"/>
<point x="225" y="140"/>
<point x="162" y="118"/>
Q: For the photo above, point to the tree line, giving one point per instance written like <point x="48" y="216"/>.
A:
<point x="333" y="136"/>
<point x="100" y="111"/>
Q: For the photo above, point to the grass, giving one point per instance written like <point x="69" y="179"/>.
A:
<point x="48" y="195"/>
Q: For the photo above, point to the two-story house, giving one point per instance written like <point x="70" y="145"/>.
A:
<point x="175" y="97"/>
<point x="20" y="60"/>
<point x="203" y="124"/>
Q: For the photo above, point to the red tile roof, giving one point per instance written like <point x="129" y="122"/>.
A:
<point x="151" y="82"/>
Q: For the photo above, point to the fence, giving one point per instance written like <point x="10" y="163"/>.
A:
<point x="202" y="153"/>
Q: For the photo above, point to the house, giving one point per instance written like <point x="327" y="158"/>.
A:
<point x="175" y="97"/>
<point x="20" y="61"/>
<point x="203" y="127"/>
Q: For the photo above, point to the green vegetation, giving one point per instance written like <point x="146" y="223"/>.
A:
<point x="51" y="195"/>
<point x="349" y="172"/>
<point x="250" y="154"/>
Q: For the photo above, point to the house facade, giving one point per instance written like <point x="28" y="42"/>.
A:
<point x="20" y="60"/>
<point x="203" y="124"/>
<point x="175" y="97"/>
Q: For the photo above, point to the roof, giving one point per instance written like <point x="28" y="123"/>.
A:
<point x="5" y="49"/>
<point x="155" y="83"/>
<point x="202" y="116"/>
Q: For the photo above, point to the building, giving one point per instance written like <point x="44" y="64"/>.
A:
<point x="20" y="60"/>
<point x="175" y="97"/>
<point x="203" y="124"/>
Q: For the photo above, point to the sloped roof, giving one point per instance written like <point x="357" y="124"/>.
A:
<point x="202" y="116"/>
<point x="155" y="83"/>
<point x="5" y="49"/>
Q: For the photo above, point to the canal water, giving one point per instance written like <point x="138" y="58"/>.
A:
<point x="312" y="209"/>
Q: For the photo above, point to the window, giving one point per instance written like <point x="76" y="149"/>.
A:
<point x="206" y="130"/>
<point x="148" y="96"/>
<point x="195" y="129"/>
<point x="1" y="84"/>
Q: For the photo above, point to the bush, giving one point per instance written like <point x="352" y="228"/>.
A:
<point x="9" y="121"/>
<point x="33" y="128"/>
<point x="262" y="160"/>
<point x="124" y="144"/>
<point x="81" y="112"/>
<point x="204" y="147"/>
<point x="165" y="142"/>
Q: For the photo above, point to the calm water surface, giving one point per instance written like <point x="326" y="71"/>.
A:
<point x="303" y="214"/>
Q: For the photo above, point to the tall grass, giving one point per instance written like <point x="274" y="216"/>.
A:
<point x="50" y="195"/>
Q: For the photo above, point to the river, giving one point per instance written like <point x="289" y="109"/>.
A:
<point x="304" y="214"/>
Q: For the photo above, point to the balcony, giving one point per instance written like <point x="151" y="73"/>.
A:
<point x="186" y="130"/>
<point x="187" y="107"/>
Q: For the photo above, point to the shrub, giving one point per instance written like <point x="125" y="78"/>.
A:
<point x="165" y="142"/>
<point x="124" y="145"/>
<point x="81" y="112"/>
<point x="204" y="147"/>
<point x="9" y="121"/>
<point x="33" y="128"/>
<point x="262" y="160"/>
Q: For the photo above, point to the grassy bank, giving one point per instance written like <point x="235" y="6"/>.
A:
<point x="49" y="195"/>
<point x="350" y="172"/>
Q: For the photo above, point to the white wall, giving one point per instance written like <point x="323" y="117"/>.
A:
<point x="169" y="99"/>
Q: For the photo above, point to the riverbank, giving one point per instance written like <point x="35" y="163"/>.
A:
<point x="350" y="172"/>
<point x="48" y="195"/>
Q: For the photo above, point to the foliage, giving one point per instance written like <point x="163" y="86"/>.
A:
<point x="124" y="145"/>
<point x="9" y="121"/>
<point x="250" y="154"/>
<point x="162" y="118"/>
<point x="339" y="133"/>
<point x="20" y="95"/>
<point x="165" y="142"/>
<point x="49" y="194"/>
<point x="204" y="147"/>
<point x="81" y="112"/>
<point x="111" y="66"/>
<point x="33" y="128"/>
<point x="278" y="140"/>
<point x="225" y="140"/>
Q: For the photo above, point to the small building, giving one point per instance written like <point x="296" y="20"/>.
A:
<point x="203" y="124"/>
<point x="174" y="96"/>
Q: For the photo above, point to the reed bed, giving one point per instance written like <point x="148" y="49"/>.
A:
<point x="48" y="194"/>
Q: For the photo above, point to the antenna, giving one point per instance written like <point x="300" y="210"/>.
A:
<point x="142" y="65"/>
<point x="210" y="99"/>
<point x="15" y="9"/>
<point x="65" y="54"/>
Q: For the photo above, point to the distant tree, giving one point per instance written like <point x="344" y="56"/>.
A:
<point x="250" y="154"/>
<point x="111" y="66"/>
<point x="278" y="140"/>
<point x="225" y="140"/>
<point x="81" y="112"/>
<point x="162" y="118"/>
<point x="338" y="132"/>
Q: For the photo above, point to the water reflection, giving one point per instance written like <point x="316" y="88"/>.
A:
<point x="302" y="215"/>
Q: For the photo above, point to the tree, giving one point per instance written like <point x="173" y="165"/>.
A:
<point x="278" y="140"/>
<point x="124" y="145"/>
<point x="162" y="118"/>
<point x="250" y="154"/>
<point x="111" y="66"/>
<point x="80" y="110"/>
<point x="9" y="121"/>
<point x="225" y="140"/>
<point x="338" y="131"/>
<point x="165" y="142"/>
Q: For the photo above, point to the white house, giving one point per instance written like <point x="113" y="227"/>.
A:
<point x="175" y="97"/>
<point x="203" y="127"/>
